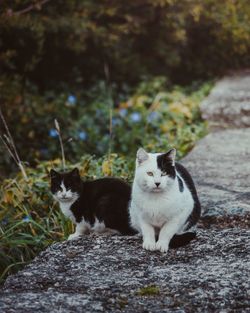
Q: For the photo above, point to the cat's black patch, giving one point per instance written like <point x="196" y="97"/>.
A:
<point x="105" y="199"/>
<point x="181" y="239"/>
<point x="180" y="183"/>
<point x="165" y="164"/>
<point x="195" y="215"/>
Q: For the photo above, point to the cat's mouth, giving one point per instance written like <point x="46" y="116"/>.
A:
<point x="64" y="199"/>
<point x="156" y="189"/>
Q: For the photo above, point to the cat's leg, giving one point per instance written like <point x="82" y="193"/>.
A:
<point x="81" y="228"/>
<point x="167" y="231"/>
<point x="148" y="234"/>
<point x="134" y="218"/>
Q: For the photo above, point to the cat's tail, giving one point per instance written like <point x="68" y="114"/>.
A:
<point x="181" y="239"/>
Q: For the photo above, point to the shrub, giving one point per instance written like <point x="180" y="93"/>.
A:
<point x="153" y="115"/>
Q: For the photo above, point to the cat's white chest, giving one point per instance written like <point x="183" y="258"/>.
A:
<point x="65" y="208"/>
<point x="158" y="209"/>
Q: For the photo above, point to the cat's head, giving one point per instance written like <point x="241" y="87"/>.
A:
<point x="65" y="187"/>
<point x="155" y="172"/>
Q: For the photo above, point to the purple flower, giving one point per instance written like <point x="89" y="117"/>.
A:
<point x="153" y="116"/>
<point x="123" y="112"/>
<point x="82" y="135"/>
<point x="135" y="117"/>
<point x="53" y="133"/>
<point x="27" y="219"/>
<point x="71" y="100"/>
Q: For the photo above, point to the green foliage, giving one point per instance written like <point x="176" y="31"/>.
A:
<point x="154" y="115"/>
<point x="30" y="219"/>
<point x="71" y="41"/>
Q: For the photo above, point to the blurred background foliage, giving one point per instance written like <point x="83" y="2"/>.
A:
<point x="152" y="116"/>
<point x="53" y="56"/>
<point x="68" y="42"/>
<point x="116" y="75"/>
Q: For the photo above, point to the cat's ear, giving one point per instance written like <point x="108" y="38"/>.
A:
<point x="141" y="155"/>
<point x="75" y="172"/>
<point x="54" y="174"/>
<point x="170" y="155"/>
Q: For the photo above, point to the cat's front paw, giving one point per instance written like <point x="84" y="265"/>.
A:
<point x="73" y="236"/>
<point x="162" y="246"/>
<point x="149" y="245"/>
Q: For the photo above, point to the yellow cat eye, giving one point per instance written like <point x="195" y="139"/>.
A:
<point x="163" y="174"/>
<point x="150" y="174"/>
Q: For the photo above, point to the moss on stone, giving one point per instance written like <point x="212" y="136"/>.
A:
<point x="149" y="291"/>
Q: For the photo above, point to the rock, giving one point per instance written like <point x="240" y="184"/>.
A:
<point x="228" y="104"/>
<point x="220" y="166"/>
<point x="209" y="275"/>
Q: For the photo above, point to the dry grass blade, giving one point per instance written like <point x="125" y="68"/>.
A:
<point x="11" y="147"/>
<point x="57" y="126"/>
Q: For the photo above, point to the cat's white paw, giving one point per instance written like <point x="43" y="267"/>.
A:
<point x="149" y="245"/>
<point x="73" y="236"/>
<point x="162" y="246"/>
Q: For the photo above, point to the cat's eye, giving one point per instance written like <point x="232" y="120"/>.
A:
<point x="163" y="174"/>
<point x="150" y="174"/>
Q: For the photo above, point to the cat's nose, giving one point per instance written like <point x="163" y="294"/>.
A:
<point x="157" y="184"/>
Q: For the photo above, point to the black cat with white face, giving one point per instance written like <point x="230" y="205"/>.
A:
<point x="98" y="205"/>
<point x="66" y="187"/>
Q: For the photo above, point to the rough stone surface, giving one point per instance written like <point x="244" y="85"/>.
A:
<point x="220" y="166"/>
<point x="228" y="105"/>
<point x="108" y="274"/>
<point x="114" y="274"/>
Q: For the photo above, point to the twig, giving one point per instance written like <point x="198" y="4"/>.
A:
<point x="9" y="137"/>
<point x="35" y="6"/>
<point x="11" y="148"/>
<point x="111" y="105"/>
<point x="10" y="152"/>
<point x="61" y="143"/>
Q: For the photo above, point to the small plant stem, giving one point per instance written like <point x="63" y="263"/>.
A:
<point x="9" y="137"/>
<point x="111" y="108"/>
<point x="61" y="143"/>
<point x="62" y="151"/>
<point x="110" y="132"/>
<point x="11" y="147"/>
<point x="8" y="149"/>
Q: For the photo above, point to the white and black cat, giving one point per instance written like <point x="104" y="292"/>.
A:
<point x="164" y="200"/>
<point x="98" y="205"/>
